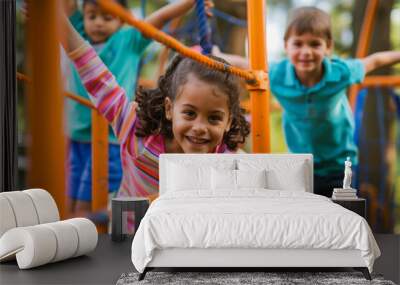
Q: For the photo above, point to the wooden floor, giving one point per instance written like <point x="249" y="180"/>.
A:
<point x="106" y="264"/>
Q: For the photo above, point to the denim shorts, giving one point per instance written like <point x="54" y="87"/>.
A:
<point x="80" y="172"/>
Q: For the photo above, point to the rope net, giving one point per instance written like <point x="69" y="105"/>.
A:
<point x="151" y="32"/>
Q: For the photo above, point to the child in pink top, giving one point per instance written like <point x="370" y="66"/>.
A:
<point x="194" y="109"/>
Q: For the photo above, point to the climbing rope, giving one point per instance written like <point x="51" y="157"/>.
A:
<point x="229" y="18"/>
<point x="204" y="28"/>
<point x="151" y="32"/>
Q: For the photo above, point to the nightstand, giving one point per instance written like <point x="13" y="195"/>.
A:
<point x="138" y="205"/>
<point x="358" y="205"/>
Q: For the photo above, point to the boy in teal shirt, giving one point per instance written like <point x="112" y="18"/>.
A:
<point x="120" y="48"/>
<point x="311" y="88"/>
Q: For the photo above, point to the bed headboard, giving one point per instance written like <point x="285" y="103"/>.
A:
<point x="214" y="159"/>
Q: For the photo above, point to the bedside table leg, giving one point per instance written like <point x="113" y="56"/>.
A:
<point x="116" y="224"/>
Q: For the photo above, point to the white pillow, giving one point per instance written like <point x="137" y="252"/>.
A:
<point x="235" y="179"/>
<point x="282" y="174"/>
<point x="199" y="160"/>
<point x="278" y="180"/>
<point x="251" y="178"/>
<point x="183" y="177"/>
<point x="223" y="179"/>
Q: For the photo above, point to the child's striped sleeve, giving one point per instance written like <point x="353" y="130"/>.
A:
<point x="104" y="92"/>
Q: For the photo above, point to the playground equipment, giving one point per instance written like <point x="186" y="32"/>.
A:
<point x="204" y="29"/>
<point x="47" y="146"/>
<point x="362" y="51"/>
<point x="47" y="150"/>
<point x="379" y="196"/>
<point x="377" y="193"/>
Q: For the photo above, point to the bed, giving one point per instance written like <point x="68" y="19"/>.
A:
<point x="247" y="210"/>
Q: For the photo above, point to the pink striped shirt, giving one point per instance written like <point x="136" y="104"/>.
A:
<point x="139" y="155"/>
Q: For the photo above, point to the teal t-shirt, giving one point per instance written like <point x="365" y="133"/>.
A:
<point x="319" y="119"/>
<point x="121" y="53"/>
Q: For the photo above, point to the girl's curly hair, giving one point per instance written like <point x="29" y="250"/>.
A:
<point x="151" y="109"/>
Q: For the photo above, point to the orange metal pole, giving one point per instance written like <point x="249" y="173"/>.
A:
<point x="81" y="100"/>
<point x="47" y="145"/>
<point x="364" y="41"/>
<point x="385" y="80"/>
<point x="260" y="97"/>
<point x="99" y="162"/>
<point x="367" y="28"/>
<point x="99" y="165"/>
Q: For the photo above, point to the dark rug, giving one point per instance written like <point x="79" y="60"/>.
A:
<point x="243" y="278"/>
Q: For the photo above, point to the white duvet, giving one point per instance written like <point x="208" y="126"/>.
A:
<point x="252" y="218"/>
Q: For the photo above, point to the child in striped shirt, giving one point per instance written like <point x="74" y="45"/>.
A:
<point x="121" y="49"/>
<point x="194" y="109"/>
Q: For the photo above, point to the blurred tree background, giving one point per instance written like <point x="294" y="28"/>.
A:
<point x="379" y="136"/>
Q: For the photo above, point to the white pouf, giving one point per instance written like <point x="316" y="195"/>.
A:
<point x="31" y="232"/>
<point x="40" y="244"/>
<point x="46" y="207"/>
<point x="23" y="208"/>
<point x="7" y="218"/>
<point x="33" y="246"/>
<point x="87" y="234"/>
<point x="67" y="240"/>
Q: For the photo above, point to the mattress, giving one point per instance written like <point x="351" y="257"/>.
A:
<point x="251" y="219"/>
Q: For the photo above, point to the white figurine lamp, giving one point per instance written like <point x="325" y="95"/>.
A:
<point x="346" y="193"/>
<point x="347" y="174"/>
